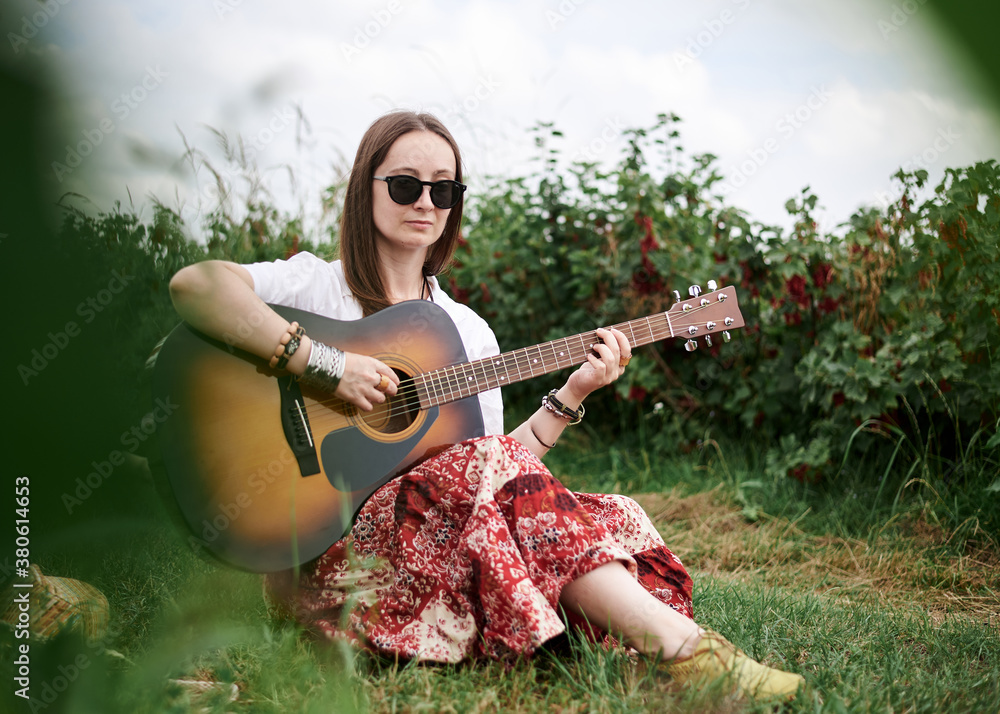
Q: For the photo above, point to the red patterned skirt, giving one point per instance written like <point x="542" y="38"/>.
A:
<point x="466" y="556"/>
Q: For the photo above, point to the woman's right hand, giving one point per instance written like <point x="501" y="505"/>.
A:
<point x="361" y="380"/>
<point x="217" y="298"/>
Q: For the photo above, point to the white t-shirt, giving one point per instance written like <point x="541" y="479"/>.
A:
<point x="307" y="282"/>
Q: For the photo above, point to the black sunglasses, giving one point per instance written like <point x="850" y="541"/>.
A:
<point x="407" y="190"/>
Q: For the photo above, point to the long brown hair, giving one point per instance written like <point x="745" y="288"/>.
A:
<point x="357" y="223"/>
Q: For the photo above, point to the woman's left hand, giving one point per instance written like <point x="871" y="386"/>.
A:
<point x="604" y="365"/>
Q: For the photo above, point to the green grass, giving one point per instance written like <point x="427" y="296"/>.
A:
<point x="882" y="603"/>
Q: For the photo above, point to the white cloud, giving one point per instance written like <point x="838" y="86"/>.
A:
<point x="493" y="68"/>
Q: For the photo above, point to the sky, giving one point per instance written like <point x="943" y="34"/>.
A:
<point x="836" y="95"/>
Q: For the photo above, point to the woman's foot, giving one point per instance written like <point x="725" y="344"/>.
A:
<point x="715" y="656"/>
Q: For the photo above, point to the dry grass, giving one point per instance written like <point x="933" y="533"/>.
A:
<point x="908" y="563"/>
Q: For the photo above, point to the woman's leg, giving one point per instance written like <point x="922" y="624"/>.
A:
<point x="611" y="599"/>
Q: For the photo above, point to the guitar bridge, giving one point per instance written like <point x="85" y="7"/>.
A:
<point x="295" y="424"/>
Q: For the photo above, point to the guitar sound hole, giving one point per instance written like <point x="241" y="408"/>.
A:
<point x="399" y="412"/>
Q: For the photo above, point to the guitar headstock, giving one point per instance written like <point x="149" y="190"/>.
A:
<point x="704" y="314"/>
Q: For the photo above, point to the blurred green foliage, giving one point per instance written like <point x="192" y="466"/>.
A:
<point x="889" y="323"/>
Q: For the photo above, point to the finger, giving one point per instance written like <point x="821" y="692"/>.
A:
<point x="613" y="339"/>
<point x="391" y="377"/>
<point x="599" y="364"/>
<point x="616" y="355"/>
<point x="624" y="351"/>
<point x="608" y="348"/>
<point x="389" y="372"/>
<point x="385" y="384"/>
<point x="624" y="348"/>
<point x="375" y="393"/>
<point x="362" y="401"/>
<point x="602" y="356"/>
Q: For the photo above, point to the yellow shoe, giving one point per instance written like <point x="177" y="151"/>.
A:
<point x="715" y="657"/>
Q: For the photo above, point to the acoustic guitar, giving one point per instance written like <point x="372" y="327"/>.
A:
<point x="268" y="474"/>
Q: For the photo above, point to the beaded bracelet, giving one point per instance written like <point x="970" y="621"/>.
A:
<point x="556" y="407"/>
<point x="287" y="345"/>
<point x="325" y="368"/>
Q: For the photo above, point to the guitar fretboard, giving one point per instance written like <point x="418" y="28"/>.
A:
<point x="448" y="384"/>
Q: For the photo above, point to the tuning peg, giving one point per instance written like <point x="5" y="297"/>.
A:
<point x="694" y="291"/>
<point x="677" y="295"/>
<point x="690" y="345"/>
<point x="708" y="340"/>
<point x="726" y="336"/>
<point x="712" y="286"/>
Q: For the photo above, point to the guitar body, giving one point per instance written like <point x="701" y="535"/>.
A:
<point x="263" y="487"/>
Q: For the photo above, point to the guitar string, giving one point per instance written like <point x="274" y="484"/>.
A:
<point x="449" y="388"/>
<point x="449" y="384"/>
<point x="446" y="385"/>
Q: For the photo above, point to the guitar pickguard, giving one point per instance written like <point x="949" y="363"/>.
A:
<point x="351" y="464"/>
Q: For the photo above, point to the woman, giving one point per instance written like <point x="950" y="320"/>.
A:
<point x="476" y="550"/>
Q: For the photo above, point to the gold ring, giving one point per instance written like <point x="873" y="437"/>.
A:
<point x="623" y="362"/>
<point x="383" y="382"/>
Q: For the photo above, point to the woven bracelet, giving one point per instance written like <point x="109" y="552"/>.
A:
<point x="556" y="407"/>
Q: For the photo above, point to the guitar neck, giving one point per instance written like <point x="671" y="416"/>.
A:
<point x="697" y="317"/>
